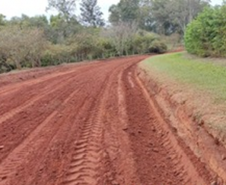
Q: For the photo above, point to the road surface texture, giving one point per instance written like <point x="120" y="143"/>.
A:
<point x="89" y="124"/>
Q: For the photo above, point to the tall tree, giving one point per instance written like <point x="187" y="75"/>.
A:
<point x="65" y="23"/>
<point x="91" y="14"/>
<point x="65" y="8"/>
<point x="124" y="11"/>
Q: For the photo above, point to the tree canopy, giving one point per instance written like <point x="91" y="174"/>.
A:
<point x="160" y="16"/>
<point x="91" y="14"/>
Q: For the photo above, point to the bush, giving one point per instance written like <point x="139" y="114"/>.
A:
<point x="157" y="46"/>
<point x="21" y="47"/>
<point x="206" y="36"/>
<point x="57" y="54"/>
<point x="146" y="42"/>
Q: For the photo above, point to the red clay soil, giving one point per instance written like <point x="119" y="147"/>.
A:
<point x="91" y="124"/>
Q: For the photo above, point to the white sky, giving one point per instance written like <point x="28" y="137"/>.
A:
<point x="11" y="8"/>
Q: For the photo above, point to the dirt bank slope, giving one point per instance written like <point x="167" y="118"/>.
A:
<point x="188" y="101"/>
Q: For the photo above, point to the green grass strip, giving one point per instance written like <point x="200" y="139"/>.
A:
<point x="205" y="75"/>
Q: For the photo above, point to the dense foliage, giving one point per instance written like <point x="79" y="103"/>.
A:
<point x="136" y="27"/>
<point x="206" y="36"/>
<point x="160" y="16"/>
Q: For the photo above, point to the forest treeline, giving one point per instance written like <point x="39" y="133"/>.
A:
<point x="134" y="27"/>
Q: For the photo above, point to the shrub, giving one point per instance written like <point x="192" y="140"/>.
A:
<point x="146" y="42"/>
<point x="157" y="46"/>
<point x="206" y="36"/>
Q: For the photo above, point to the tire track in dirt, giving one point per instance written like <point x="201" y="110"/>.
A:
<point x="82" y="118"/>
<point x="50" y="102"/>
<point x="25" y="96"/>
<point x="53" y="134"/>
<point x="21" y="128"/>
<point x="48" y="119"/>
<point x="161" y="160"/>
<point x="20" y="153"/>
<point x="9" y="114"/>
<point x="92" y="161"/>
<point x="29" y="82"/>
<point x="11" y="88"/>
<point x="89" y="155"/>
<point x="116" y="141"/>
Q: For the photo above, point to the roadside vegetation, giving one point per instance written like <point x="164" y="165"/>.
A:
<point x="204" y="75"/>
<point x="134" y="27"/>
<point x="206" y="35"/>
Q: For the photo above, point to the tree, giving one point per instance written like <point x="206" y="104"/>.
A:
<point x="114" y="14"/>
<point x="91" y="14"/>
<point x="145" y="18"/>
<point x="65" y="23"/>
<point x="161" y="20"/>
<point x="124" y="11"/>
<point x="206" y="35"/>
<point x="121" y="35"/>
<point x="174" y="15"/>
<point x="66" y="8"/>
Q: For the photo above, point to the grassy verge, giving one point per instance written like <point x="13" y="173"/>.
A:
<point x="199" y="83"/>
<point x="202" y="74"/>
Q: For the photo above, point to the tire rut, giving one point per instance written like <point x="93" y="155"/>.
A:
<point x="44" y="130"/>
<point x="37" y="91"/>
<point x="88" y="153"/>
<point x="90" y="158"/>
<point x="160" y="157"/>
<point x="20" y="153"/>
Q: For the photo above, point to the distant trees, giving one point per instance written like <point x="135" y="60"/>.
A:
<point x="171" y="16"/>
<point x="91" y="14"/>
<point x="160" y="16"/>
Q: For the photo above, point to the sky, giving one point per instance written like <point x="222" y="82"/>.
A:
<point x="11" y="8"/>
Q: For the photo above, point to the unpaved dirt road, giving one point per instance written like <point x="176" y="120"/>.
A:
<point x="91" y="124"/>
